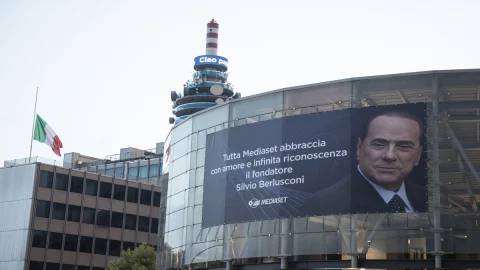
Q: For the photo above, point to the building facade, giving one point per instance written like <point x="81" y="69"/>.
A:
<point x="445" y="236"/>
<point x="59" y="218"/>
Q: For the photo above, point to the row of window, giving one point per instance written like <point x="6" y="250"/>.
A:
<point x="56" y="266"/>
<point x="53" y="240"/>
<point x="143" y="172"/>
<point x="119" y="192"/>
<point x="117" y="220"/>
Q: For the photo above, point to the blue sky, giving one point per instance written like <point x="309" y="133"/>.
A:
<point x="105" y="69"/>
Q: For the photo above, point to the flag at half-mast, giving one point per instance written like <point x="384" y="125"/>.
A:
<point x="45" y="134"/>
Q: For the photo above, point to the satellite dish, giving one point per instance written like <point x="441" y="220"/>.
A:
<point x="216" y="89"/>
<point x="219" y="101"/>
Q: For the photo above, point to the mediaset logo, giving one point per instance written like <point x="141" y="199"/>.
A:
<point x="254" y="203"/>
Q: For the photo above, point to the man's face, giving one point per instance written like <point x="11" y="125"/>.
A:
<point x="390" y="150"/>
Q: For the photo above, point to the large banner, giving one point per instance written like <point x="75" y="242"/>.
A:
<point x="359" y="160"/>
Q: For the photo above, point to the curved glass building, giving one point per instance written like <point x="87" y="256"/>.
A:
<point x="446" y="235"/>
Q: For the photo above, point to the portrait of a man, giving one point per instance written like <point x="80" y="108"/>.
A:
<point x="388" y="149"/>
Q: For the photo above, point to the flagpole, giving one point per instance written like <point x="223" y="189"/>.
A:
<point x="33" y="126"/>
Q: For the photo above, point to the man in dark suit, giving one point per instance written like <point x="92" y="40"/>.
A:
<point x="388" y="149"/>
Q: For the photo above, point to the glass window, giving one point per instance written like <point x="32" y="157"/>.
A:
<point x="101" y="172"/>
<point x="117" y="220"/>
<point x="143" y="172"/>
<point x="58" y="211"/>
<point x="119" y="192"/>
<point x="76" y="185"/>
<point x="46" y="179"/>
<point x="132" y="195"/>
<point x="74" y="213"/>
<point x="146" y="197"/>
<point x="53" y="266"/>
<point x="43" y="209"/>
<point x="98" y="268"/>
<point x="114" y="248"/>
<point x="132" y="173"/>
<point x="119" y="172"/>
<point x="88" y="215"/>
<point x="110" y="172"/>
<point x="36" y="266"/>
<point x="128" y="245"/>
<point x="130" y="222"/>
<point x="143" y="224"/>
<point x="156" y="198"/>
<point x="68" y="267"/>
<point x="39" y="239"/>
<point x="154" y="227"/>
<point x="82" y="267"/>
<point x="71" y="242"/>
<point x="55" y="240"/>
<point x="91" y="187"/>
<point x="105" y="190"/>
<point x="101" y="246"/>
<point x="153" y="170"/>
<point x="86" y="244"/>
<point x="103" y="217"/>
<point x="62" y="182"/>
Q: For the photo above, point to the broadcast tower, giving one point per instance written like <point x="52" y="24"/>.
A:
<point x="209" y="85"/>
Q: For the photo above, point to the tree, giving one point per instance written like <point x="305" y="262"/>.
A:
<point x="141" y="258"/>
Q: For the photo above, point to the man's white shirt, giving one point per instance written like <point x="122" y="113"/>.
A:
<point x="387" y="195"/>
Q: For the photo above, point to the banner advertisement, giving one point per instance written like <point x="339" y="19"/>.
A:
<point x="359" y="160"/>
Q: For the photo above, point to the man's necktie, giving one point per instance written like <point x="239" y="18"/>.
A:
<point x="396" y="204"/>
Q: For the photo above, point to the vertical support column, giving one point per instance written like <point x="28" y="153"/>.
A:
<point x="353" y="241"/>
<point x="285" y="233"/>
<point x="229" y="265"/>
<point x="436" y="176"/>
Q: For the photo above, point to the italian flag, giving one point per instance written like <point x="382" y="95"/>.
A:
<point x="45" y="134"/>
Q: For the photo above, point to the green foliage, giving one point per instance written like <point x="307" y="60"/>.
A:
<point x="141" y="258"/>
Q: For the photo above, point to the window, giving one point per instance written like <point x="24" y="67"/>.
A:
<point x="68" y="267"/>
<point x="74" y="213"/>
<point x="114" y="248"/>
<point x="80" y="267"/>
<point x="101" y="172"/>
<point x="154" y="227"/>
<point x="71" y="242"/>
<point x="117" y="220"/>
<point x="153" y="170"/>
<point x="143" y="172"/>
<point x="55" y="240"/>
<point x="36" y="266"/>
<point x="132" y="195"/>
<point x="110" y="172"/>
<point x="62" y="182"/>
<point x="156" y="198"/>
<point x="88" y="215"/>
<point x="43" y="209"/>
<point x="53" y="266"/>
<point x="128" y="245"/>
<point x="39" y="239"/>
<point x="130" y="222"/>
<point x="103" y="217"/>
<point x="58" y="211"/>
<point x="46" y="179"/>
<point x="119" y="172"/>
<point x="119" y="192"/>
<point x="143" y="224"/>
<point x="86" y="244"/>
<point x="146" y="197"/>
<point x="76" y="185"/>
<point x="105" y="190"/>
<point x="91" y="187"/>
<point x="132" y="173"/>
<point x="100" y="246"/>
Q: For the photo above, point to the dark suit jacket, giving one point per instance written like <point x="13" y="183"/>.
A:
<point x="353" y="194"/>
